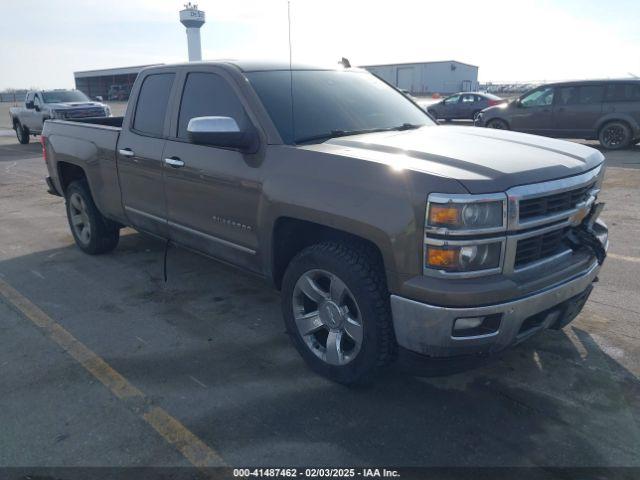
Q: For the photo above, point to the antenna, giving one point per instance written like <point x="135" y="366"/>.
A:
<point x="293" y="119"/>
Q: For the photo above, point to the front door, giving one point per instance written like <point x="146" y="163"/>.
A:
<point x="576" y="110"/>
<point x="534" y="112"/>
<point x="212" y="193"/>
<point x="140" y="149"/>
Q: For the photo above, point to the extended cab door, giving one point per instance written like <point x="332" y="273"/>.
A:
<point x="139" y="154"/>
<point x="576" y="110"/>
<point x="212" y="193"/>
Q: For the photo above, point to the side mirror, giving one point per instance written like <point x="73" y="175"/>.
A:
<point x="517" y="103"/>
<point x="29" y="105"/>
<point x="222" y="132"/>
<point x="37" y="108"/>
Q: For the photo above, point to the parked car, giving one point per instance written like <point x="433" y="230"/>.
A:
<point x="463" y="106"/>
<point x="606" y="110"/>
<point x="118" y="93"/>
<point x="40" y="106"/>
<point x="384" y="232"/>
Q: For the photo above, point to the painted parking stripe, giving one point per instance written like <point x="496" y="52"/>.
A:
<point x="624" y="257"/>
<point x="173" y="432"/>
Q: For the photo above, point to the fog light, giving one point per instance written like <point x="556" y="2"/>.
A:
<point x="466" y="323"/>
<point x="476" y="326"/>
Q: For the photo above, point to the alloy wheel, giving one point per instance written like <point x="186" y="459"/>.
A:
<point x="613" y="136"/>
<point x="327" y="317"/>
<point x="79" y="218"/>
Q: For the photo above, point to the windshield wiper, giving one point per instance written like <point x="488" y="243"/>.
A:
<point x="345" y="133"/>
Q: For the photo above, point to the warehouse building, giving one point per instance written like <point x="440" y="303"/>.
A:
<point x="422" y="78"/>
<point x="110" y="84"/>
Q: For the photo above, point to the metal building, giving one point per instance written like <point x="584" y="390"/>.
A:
<point x="110" y="84"/>
<point x="429" y="77"/>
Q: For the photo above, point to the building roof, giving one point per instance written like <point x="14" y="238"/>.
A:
<point x="112" y="71"/>
<point x="418" y="63"/>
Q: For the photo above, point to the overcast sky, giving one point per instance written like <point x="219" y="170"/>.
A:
<point x="44" y="42"/>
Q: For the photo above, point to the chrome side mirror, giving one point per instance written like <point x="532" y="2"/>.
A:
<point x="222" y="132"/>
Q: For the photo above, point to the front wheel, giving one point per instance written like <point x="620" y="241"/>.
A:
<point x="498" y="124"/>
<point x="22" y="133"/>
<point x="615" y="136"/>
<point x="92" y="232"/>
<point x="336" y="309"/>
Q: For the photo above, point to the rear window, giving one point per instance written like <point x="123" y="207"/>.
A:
<point x="152" y="104"/>
<point x="580" y="95"/>
<point x="623" y="92"/>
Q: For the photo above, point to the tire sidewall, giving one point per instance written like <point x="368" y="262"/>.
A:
<point x="495" y="121"/>
<point x="22" y="133"/>
<point x="82" y="189"/>
<point x="366" y="359"/>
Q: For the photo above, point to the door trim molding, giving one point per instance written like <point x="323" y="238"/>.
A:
<point x="206" y="236"/>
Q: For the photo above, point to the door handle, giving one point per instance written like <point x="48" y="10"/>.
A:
<point x="126" y="152"/>
<point x="174" y="162"/>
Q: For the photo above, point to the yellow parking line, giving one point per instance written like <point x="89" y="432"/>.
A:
<point x="176" y="434"/>
<point x="624" y="257"/>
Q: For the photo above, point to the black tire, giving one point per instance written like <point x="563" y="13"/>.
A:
<point x="103" y="234"/>
<point x="498" y="124"/>
<point x="615" y="135"/>
<point x="362" y="273"/>
<point x="474" y="115"/>
<point x="22" y="133"/>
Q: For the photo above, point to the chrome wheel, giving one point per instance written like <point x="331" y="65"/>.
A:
<point x="79" y="218"/>
<point x="327" y="317"/>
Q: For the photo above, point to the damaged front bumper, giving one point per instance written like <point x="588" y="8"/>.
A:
<point x="439" y="331"/>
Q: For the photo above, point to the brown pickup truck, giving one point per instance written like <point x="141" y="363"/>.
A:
<point x="385" y="232"/>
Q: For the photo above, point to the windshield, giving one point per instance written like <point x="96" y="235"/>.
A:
<point x="63" y="96"/>
<point x="333" y="103"/>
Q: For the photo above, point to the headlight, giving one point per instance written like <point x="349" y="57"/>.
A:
<point x="464" y="258"/>
<point x="59" y="114"/>
<point x="459" y="214"/>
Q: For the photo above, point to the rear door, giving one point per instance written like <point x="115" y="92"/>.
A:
<point x="467" y="106"/>
<point x="534" y="112"/>
<point x="212" y="196"/>
<point x="139" y="153"/>
<point x="576" y="110"/>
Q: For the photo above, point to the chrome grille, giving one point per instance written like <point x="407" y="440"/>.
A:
<point x="539" y="247"/>
<point x="84" y="112"/>
<point x="552" y="204"/>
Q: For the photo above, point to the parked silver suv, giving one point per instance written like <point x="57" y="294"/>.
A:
<point x="606" y="110"/>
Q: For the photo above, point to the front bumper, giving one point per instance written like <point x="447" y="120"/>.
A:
<point x="429" y="329"/>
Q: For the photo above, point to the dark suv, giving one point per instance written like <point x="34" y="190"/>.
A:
<point x="606" y="110"/>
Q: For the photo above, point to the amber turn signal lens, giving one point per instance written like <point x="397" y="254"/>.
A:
<point x="444" y="215"/>
<point x="442" y="257"/>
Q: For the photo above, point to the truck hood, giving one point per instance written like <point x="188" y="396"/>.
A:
<point x="67" y="105"/>
<point x="483" y="160"/>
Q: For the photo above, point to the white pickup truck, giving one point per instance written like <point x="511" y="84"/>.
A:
<point x="52" y="104"/>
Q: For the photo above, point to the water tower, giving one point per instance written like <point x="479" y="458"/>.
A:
<point x="193" y="19"/>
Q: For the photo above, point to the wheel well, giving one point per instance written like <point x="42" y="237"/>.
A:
<point x="291" y="236"/>
<point x="68" y="172"/>
<point x="614" y="120"/>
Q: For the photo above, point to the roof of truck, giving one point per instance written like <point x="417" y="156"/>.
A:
<point x="261" y="65"/>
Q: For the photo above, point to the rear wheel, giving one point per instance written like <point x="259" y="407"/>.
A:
<point x="22" y="133"/>
<point x="336" y="310"/>
<point x="93" y="233"/>
<point x="615" y="136"/>
<point x="498" y="124"/>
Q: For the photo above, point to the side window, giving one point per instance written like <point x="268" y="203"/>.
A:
<point x="622" y="92"/>
<point x="205" y="95"/>
<point x="152" y="104"/>
<point x="468" y="98"/>
<point x="538" y="98"/>
<point x="29" y="98"/>
<point x="591" y="94"/>
<point x="567" y="96"/>
<point x="451" y="100"/>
